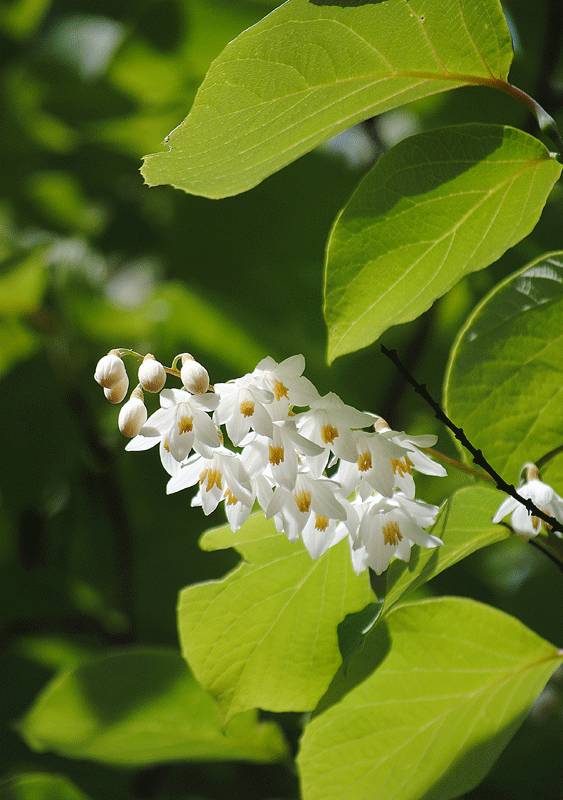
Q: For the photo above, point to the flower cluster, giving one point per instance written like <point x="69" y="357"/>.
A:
<point x="300" y="468"/>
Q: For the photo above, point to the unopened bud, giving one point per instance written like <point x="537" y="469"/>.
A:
<point x="152" y="376"/>
<point x="133" y="415"/>
<point x="117" y="392"/>
<point x="194" y="376"/>
<point x="110" y="370"/>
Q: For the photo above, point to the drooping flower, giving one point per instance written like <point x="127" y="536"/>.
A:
<point x="152" y="375"/>
<point x="413" y="458"/>
<point x="311" y="497"/>
<point x="242" y="407"/>
<point x="543" y="497"/>
<point x="220" y="477"/>
<point x="286" y="383"/>
<point x="133" y="414"/>
<point x="110" y="370"/>
<point x="329" y="423"/>
<point x="194" y="375"/>
<point x="182" y="423"/>
<point x="381" y="528"/>
<point x="280" y="453"/>
<point x="374" y="465"/>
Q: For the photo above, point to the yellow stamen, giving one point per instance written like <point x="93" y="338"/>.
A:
<point x="166" y="445"/>
<point x="230" y="498"/>
<point x="364" y="461"/>
<point x="303" y="500"/>
<point x="276" y="455"/>
<point x="402" y="466"/>
<point x="329" y="433"/>
<point x="247" y="408"/>
<point x="280" y="391"/>
<point x="185" y="424"/>
<point x="213" y="478"/>
<point x="321" y="523"/>
<point x="391" y="533"/>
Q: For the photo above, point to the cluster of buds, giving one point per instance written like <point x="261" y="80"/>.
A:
<point x="324" y="473"/>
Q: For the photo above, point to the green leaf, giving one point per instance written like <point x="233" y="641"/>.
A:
<point x="312" y="68"/>
<point x="503" y="384"/>
<point x="436" y="207"/>
<point x="142" y="707"/>
<point x="427" y="706"/>
<point x="464" y="525"/>
<point x="40" y="786"/>
<point x="265" y="635"/>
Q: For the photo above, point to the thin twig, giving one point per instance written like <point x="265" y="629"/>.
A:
<point x="478" y="457"/>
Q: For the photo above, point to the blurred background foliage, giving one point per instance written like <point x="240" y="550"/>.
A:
<point x="92" y="552"/>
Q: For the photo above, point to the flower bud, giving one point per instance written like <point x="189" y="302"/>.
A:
<point x="110" y="370"/>
<point x="152" y="376"/>
<point x="117" y="392"/>
<point x="194" y="377"/>
<point x="133" y="415"/>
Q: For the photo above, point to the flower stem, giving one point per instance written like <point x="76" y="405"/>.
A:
<point x="476" y="473"/>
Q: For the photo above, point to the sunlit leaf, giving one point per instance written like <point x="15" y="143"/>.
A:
<point x="311" y="69"/>
<point x="436" y="207"/>
<point x="427" y="706"/>
<point x="142" y="707"/>
<point x="265" y="636"/>
<point x="504" y="384"/>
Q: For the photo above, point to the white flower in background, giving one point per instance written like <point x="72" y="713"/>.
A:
<point x="182" y="423"/>
<point x="541" y="494"/>
<point x="381" y="528"/>
<point x="242" y="407"/>
<point x="286" y="383"/>
<point x="374" y="465"/>
<point x="413" y="459"/>
<point x="329" y="423"/>
<point x="221" y="477"/>
<point x="133" y="414"/>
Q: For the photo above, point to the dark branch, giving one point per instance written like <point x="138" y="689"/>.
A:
<point x="478" y="457"/>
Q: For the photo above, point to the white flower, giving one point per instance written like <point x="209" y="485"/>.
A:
<point x="110" y="370"/>
<point x="117" y="391"/>
<point x="221" y="477"/>
<point x="381" y="528"/>
<point x="374" y="465"/>
<point x="133" y="414"/>
<point x="182" y="423"/>
<point x="152" y="375"/>
<point x="286" y="383"/>
<point x="242" y="407"/>
<point x="311" y="497"/>
<point x="542" y="495"/>
<point x="280" y="452"/>
<point x="194" y="376"/>
<point x="414" y="459"/>
<point x="328" y="423"/>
